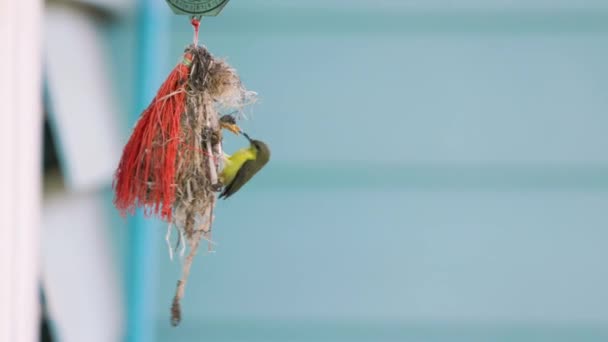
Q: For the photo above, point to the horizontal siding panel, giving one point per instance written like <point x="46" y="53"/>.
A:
<point x="386" y="255"/>
<point x="341" y="176"/>
<point x="418" y="99"/>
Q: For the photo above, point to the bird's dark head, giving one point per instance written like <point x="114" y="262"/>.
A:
<point x="261" y="147"/>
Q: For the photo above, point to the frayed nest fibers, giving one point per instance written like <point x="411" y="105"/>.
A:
<point x="213" y="86"/>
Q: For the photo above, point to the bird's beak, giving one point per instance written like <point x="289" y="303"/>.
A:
<point x="247" y="136"/>
<point x="231" y="127"/>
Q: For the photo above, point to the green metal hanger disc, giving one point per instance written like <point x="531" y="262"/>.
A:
<point x="207" y="8"/>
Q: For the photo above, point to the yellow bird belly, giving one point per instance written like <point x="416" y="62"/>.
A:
<point x="234" y="162"/>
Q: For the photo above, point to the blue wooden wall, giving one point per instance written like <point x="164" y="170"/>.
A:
<point x="438" y="174"/>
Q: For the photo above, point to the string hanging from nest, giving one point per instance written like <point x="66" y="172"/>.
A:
<point x="170" y="165"/>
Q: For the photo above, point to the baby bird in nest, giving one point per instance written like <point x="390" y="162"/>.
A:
<point x="228" y="123"/>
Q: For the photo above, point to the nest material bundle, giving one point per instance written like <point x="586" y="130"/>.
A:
<point x="171" y="163"/>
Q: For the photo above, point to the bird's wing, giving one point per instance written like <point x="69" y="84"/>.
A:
<point x="244" y="174"/>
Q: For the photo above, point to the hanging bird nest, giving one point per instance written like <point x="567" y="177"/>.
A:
<point x="171" y="163"/>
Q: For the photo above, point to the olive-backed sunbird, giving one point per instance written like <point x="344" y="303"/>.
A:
<point x="241" y="166"/>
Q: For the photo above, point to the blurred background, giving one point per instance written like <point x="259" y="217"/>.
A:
<point x="439" y="173"/>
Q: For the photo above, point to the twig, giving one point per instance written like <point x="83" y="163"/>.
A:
<point x="176" y="314"/>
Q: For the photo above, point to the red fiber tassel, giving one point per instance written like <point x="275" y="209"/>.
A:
<point x="146" y="172"/>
